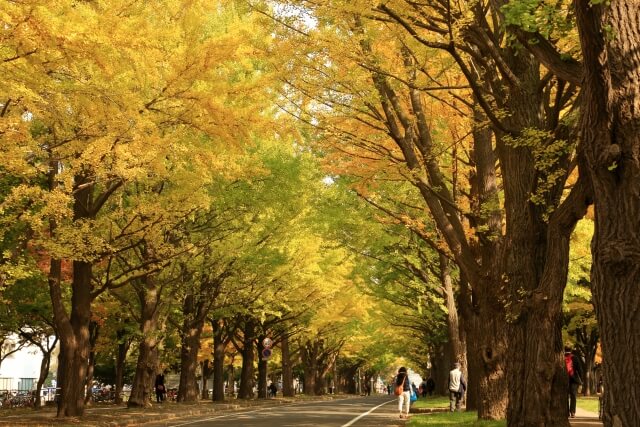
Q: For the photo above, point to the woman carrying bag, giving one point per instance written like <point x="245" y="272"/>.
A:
<point x="403" y="391"/>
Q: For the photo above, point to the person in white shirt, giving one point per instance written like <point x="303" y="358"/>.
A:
<point x="457" y="387"/>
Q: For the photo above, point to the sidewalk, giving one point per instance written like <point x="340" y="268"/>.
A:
<point x="120" y="416"/>
<point x="585" y="419"/>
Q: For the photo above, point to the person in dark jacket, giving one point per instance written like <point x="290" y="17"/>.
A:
<point x="404" y="398"/>
<point x="431" y="386"/>
<point x="159" y="387"/>
<point x="574" y="372"/>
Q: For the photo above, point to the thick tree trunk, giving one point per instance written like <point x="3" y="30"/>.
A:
<point x="248" y="358"/>
<point x="309" y="356"/>
<point x="319" y="385"/>
<point x="64" y="398"/>
<point x="610" y="36"/>
<point x="74" y="344"/>
<point x="456" y="334"/>
<point x="492" y="354"/>
<point x="192" y="327"/>
<point x="309" y="383"/>
<point x="469" y="324"/>
<point x="349" y="380"/>
<point x="474" y="364"/>
<point x="188" y="388"/>
<point x="534" y="258"/>
<point x="218" y="362"/>
<point x="538" y="380"/>
<point x="287" y="369"/>
<point x="458" y="347"/>
<point x="146" y="367"/>
<point x="440" y="368"/>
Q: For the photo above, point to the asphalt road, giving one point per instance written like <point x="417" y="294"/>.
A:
<point x="372" y="411"/>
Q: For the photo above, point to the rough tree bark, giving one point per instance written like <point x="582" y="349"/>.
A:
<point x="440" y="361"/>
<point x="309" y="356"/>
<point x="287" y="369"/>
<point x="147" y="365"/>
<point x="455" y="334"/>
<point x="194" y="319"/>
<point x="458" y="347"/>
<point x="610" y="125"/>
<point x="218" y="361"/>
<point x="248" y="358"/>
<point x="74" y="341"/>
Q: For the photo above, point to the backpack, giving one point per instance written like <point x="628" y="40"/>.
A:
<point x="568" y="360"/>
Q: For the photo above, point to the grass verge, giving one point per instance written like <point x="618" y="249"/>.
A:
<point x="452" y="419"/>
<point x="432" y="402"/>
<point x="588" y="403"/>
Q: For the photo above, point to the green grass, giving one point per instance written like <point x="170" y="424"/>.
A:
<point x="452" y="419"/>
<point x="588" y="403"/>
<point x="432" y="402"/>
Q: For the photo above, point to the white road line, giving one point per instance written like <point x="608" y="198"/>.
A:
<point x="366" y="413"/>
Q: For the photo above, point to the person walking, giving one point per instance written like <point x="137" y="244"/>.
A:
<point x="403" y="391"/>
<point x="457" y="387"/>
<point x="575" y="378"/>
<point x="159" y="386"/>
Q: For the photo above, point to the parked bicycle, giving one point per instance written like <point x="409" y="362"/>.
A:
<point x="16" y="399"/>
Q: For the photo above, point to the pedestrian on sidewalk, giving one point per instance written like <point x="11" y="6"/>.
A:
<point x="457" y="387"/>
<point x="403" y="391"/>
<point x="575" y="378"/>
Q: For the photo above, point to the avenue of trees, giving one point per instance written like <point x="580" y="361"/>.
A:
<point x="358" y="181"/>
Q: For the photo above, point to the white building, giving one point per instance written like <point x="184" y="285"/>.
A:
<point x="20" y="370"/>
